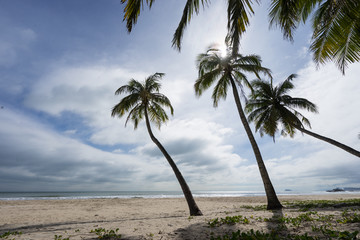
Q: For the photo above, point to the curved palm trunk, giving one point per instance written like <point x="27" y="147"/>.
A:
<point x="194" y="209"/>
<point x="329" y="140"/>
<point x="273" y="201"/>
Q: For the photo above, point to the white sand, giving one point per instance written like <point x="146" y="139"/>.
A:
<point x="139" y="218"/>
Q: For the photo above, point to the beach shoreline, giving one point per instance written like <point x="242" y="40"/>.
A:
<point x="142" y="218"/>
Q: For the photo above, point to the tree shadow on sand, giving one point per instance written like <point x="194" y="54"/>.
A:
<point x="275" y="225"/>
<point x="202" y="231"/>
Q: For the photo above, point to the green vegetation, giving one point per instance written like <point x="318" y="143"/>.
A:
<point x="349" y="216"/>
<point x="60" y="237"/>
<point x="255" y="208"/>
<point x="102" y="233"/>
<point x="9" y="234"/>
<point x="306" y="205"/>
<point x="228" y="220"/>
<point x="309" y="225"/>
<point x="252" y="235"/>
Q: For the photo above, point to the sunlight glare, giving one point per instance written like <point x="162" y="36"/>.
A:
<point x="221" y="47"/>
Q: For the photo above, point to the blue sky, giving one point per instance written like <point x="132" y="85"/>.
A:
<point x="61" y="62"/>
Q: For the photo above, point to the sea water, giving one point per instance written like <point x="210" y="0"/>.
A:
<point x="139" y="194"/>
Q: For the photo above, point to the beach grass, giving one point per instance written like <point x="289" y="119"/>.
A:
<point x="304" y="224"/>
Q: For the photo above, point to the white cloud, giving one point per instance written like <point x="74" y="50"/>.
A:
<point x="37" y="155"/>
<point x="337" y="99"/>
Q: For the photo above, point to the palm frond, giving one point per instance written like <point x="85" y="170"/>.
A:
<point x="285" y="86"/>
<point x="157" y="114"/>
<point x="270" y="106"/>
<point x="125" y="105"/>
<point x="300" y="103"/>
<point x="162" y="100"/>
<point x="132" y="11"/>
<point x="143" y="97"/>
<point x="191" y="6"/>
<point x="220" y="90"/>
<point x="238" y="19"/>
<point x="135" y="115"/>
<point x="285" y="14"/>
<point x="205" y="81"/>
<point x="337" y="33"/>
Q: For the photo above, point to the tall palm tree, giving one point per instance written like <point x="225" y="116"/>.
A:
<point x="230" y="71"/>
<point x="336" y="27"/>
<point x="238" y="12"/>
<point x="144" y="100"/>
<point x="271" y="106"/>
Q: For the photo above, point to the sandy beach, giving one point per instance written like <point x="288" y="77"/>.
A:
<point x="157" y="218"/>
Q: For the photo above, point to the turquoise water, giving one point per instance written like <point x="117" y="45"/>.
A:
<point x="137" y="194"/>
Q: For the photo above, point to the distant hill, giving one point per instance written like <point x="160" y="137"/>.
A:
<point x="345" y="189"/>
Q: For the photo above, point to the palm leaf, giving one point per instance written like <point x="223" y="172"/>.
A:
<point x="191" y="6"/>
<point x="270" y="106"/>
<point x="143" y="97"/>
<point x="132" y="11"/>
<point x="238" y="19"/>
<point x="337" y="33"/>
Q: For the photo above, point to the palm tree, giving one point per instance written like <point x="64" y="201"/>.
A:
<point x="271" y="106"/>
<point x="336" y="27"/>
<point x="238" y="13"/>
<point x="229" y="71"/>
<point x="144" y="100"/>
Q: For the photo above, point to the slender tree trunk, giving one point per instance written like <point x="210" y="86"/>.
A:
<point x="273" y="201"/>
<point x="329" y="140"/>
<point x="194" y="209"/>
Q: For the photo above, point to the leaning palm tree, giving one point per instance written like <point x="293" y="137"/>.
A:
<point x="336" y="27"/>
<point x="145" y="101"/>
<point x="271" y="107"/>
<point x="230" y="71"/>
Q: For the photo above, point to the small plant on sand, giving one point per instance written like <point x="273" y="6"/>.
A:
<point x="250" y="235"/>
<point x="296" y="221"/>
<point x="60" y="237"/>
<point x="7" y="235"/>
<point x="334" y="234"/>
<point x="150" y="235"/>
<point x="255" y="208"/>
<point x="228" y="220"/>
<point x="306" y="205"/>
<point x="349" y="217"/>
<point x="102" y="233"/>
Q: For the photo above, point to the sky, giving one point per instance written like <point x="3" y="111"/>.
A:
<point x="62" y="61"/>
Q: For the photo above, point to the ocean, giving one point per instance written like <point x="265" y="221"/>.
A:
<point x="139" y="194"/>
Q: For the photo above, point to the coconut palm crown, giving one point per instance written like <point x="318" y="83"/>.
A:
<point x="212" y="67"/>
<point x="271" y="108"/>
<point x="229" y="71"/>
<point x="145" y="101"/>
<point x="143" y="97"/>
